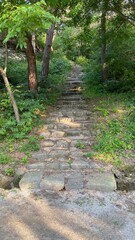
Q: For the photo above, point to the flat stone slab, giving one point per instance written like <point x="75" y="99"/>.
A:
<point x="76" y="165"/>
<point x="62" y="144"/>
<point x="53" y="182"/>
<point x="65" y="166"/>
<point x="59" y="153"/>
<point x="45" y="134"/>
<point x="40" y="156"/>
<point x="31" y="180"/>
<point x="74" y="181"/>
<point x="100" y="181"/>
<point x="52" y="166"/>
<point x="36" y="166"/>
<point x="48" y="143"/>
<point x="57" y="134"/>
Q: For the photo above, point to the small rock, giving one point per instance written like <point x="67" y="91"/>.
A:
<point x="48" y="144"/>
<point x="5" y="181"/>
<point x="45" y="134"/>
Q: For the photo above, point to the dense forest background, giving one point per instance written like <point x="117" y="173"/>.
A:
<point x="40" y="41"/>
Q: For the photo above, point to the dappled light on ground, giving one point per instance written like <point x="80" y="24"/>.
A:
<point x="66" y="216"/>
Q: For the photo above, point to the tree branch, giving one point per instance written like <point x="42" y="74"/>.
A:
<point x="123" y="16"/>
<point x="6" y="57"/>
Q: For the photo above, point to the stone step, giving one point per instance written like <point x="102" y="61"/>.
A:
<point x="71" y="121"/>
<point x="70" y="112"/>
<point x="65" y="133"/>
<point x="71" y="180"/>
<point x="73" y="103"/>
<point x="71" y="92"/>
<point x="75" y="81"/>
<point x="76" y="97"/>
<point x="70" y="139"/>
<point x="66" y="165"/>
<point x="77" y="106"/>
<point x="73" y="86"/>
<point x="70" y="125"/>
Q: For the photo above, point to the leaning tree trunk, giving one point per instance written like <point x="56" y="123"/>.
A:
<point x="47" y="51"/>
<point x="32" y="68"/>
<point x="103" y="40"/>
<point x="13" y="101"/>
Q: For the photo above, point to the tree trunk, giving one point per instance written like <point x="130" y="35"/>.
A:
<point x="32" y="68"/>
<point x="34" y="42"/>
<point x="47" y="51"/>
<point x="13" y="101"/>
<point x="103" y="39"/>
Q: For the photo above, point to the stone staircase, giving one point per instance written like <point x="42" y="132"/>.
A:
<point x="62" y="163"/>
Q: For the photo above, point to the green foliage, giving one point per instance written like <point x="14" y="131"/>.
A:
<point x="119" y="58"/>
<point x="25" y="160"/>
<point x="115" y="136"/>
<point x="90" y="155"/>
<point x="31" y="145"/>
<point x="117" y="131"/>
<point x="28" y="111"/>
<point x="80" y="145"/>
<point x="70" y="162"/>
<point x="18" y="20"/>
<point x="59" y="69"/>
<point x="68" y="43"/>
<point x="17" y="72"/>
<point x="9" y="172"/>
<point x="81" y="60"/>
<point x="4" y="158"/>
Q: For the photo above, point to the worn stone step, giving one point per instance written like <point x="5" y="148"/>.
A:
<point x="70" y="112"/>
<point x="76" y="97"/>
<point x="65" y="166"/>
<point x="78" y="132"/>
<point x="79" y="106"/>
<point x="76" y="81"/>
<point x="66" y="126"/>
<point x="52" y="133"/>
<point x="70" y="139"/>
<point x="73" y="103"/>
<point x="50" y="156"/>
<point x="72" y="92"/>
<point x="71" y="180"/>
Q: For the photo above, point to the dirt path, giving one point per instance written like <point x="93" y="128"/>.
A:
<point x="65" y="195"/>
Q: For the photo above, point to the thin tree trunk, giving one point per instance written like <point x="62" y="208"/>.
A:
<point x="34" y="42"/>
<point x="103" y="39"/>
<point x="32" y="68"/>
<point x="13" y="101"/>
<point x="47" y="51"/>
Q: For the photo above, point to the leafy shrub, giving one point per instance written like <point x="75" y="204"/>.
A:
<point x="81" y="60"/>
<point x="28" y="112"/>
